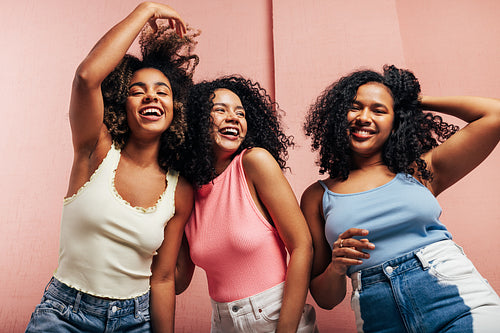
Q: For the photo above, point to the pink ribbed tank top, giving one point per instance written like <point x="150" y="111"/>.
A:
<point x="241" y="253"/>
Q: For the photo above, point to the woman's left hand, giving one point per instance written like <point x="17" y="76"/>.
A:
<point x="348" y="251"/>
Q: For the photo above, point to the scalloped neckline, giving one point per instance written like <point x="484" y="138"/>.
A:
<point x="117" y="195"/>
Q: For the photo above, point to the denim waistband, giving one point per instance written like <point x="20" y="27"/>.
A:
<point x="250" y="304"/>
<point x="96" y="305"/>
<point x="399" y="265"/>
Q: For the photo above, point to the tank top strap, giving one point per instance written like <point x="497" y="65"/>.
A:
<point x="113" y="157"/>
<point x="323" y="184"/>
<point x="172" y="179"/>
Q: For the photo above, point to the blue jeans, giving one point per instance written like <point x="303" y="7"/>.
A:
<point x="434" y="289"/>
<point x="257" y="313"/>
<point x="65" y="309"/>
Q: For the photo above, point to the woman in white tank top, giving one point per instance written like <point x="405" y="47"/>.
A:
<point x="126" y="206"/>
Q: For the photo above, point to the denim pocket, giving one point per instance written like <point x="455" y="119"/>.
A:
<point x="452" y="267"/>
<point x="144" y="315"/>
<point x="52" y="305"/>
<point x="271" y="313"/>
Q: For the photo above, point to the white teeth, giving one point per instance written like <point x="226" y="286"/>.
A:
<point x="230" y="131"/>
<point x="151" y="111"/>
<point x="360" y="131"/>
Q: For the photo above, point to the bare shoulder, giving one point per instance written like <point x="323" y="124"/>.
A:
<point x="259" y="160"/>
<point x="257" y="155"/>
<point x="183" y="195"/>
<point x="312" y="195"/>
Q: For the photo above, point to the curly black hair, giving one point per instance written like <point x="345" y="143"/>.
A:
<point x="263" y="122"/>
<point x="166" y="51"/>
<point x="415" y="132"/>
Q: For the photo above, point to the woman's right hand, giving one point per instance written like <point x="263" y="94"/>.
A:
<point x="161" y="11"/>
<point x="348" y="251"/>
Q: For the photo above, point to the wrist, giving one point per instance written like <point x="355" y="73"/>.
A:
<point x="335" y="272"/>
<point x="147" y="7"/>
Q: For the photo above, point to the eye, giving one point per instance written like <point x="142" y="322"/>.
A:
<point x="135" y="93"/>
<point x="240" y="114"/>
<point x="218" y="109"/>
<point x="379" y="111"/>
<point x="162" y="93"/>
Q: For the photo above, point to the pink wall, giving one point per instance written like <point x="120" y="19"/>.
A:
<point x="292" y="48"/>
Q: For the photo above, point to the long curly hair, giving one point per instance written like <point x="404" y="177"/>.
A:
<point x="415" y="132"/>
<point x="263" y="122"/>
<point x="166" y="51"/>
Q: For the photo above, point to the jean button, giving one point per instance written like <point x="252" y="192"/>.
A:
<point x="235" y="308"/>
<point x="114" y="308"/>
<point x="389" y="270"/>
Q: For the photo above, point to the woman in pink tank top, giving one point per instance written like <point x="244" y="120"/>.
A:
<point x="245" y="213"/>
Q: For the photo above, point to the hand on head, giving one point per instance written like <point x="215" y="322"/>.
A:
<point x="348" y="251"/>
<point x="162" y="11"/>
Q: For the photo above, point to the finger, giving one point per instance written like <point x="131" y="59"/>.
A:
<point x="349" y="233"/>
<point x="178" y="30"/>
<point x="350" y="252"/>
<point x="342" y="261"/>
<point x="354" y="243"/>
<point x="182" y="25"/>
<point x="154" y="26"/>
<point x="171" y="23"/>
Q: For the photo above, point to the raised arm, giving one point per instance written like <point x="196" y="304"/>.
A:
<point x="86" y="106"/>
<point x="467" y="148"/>
<point x="164" y="263"/>
<point x="279" y="200"/>
<point x="328" y="276"/>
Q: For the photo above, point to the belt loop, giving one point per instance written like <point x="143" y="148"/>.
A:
<point x="48" y="284"/>
<point x="356" y="281"/>
<point x="217" y="310"/>
<point x="136" y="307"/>
<point x="77" y="301"/>
<point x="255" y="308"/>
<point x="425" y="264"/>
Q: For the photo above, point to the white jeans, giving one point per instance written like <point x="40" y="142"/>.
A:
<point x="257" y="313"/>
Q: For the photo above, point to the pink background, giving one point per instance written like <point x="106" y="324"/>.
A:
<point x="293" y="48"/>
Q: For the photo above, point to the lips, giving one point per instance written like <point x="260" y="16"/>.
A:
<point x="151" y="113"/>
<point x="361" y="132"/>
<point x="229" y="131"/>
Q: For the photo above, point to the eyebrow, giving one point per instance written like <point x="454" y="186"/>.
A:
<point x="142" y="84"/>
<point x="225" y="105"/>
<point x="357" y="102"/>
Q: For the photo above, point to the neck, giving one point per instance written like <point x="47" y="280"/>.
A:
<point x="222" y="161"/>
<point x="141" y="153"/>
<point x="366" y="162"/>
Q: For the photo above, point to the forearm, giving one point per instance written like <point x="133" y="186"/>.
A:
<point x="467" y="108"/>
<point x="184" y="268"/>
<point x="295" y="292"/>
<point x="329" y="288"/>
<point x="111" y="48"/>
<point x="162" y="306"/>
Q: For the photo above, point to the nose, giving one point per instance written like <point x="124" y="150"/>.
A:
<point x="231" y="116"/>
<point x="150" y="96"/>
<point x="364" y="116"/>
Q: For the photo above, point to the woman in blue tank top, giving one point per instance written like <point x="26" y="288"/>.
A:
<point x="376" y="219"/>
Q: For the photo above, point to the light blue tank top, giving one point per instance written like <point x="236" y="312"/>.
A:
<point x="401" y="216"/>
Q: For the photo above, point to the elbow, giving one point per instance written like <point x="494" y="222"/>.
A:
<point x="162" y="279"/>
<point x="304" y="251"/>
<point x="496" y="117"/>
<point x="85" y="78"/>
<point x="323" y="302"/>
<point x="324" y="294"/>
